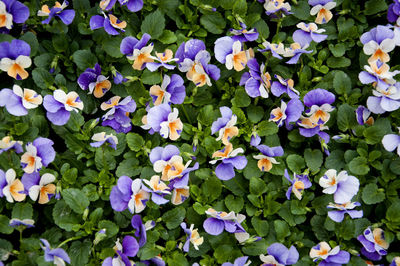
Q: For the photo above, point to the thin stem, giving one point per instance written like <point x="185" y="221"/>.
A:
<point x="68" y="240"/>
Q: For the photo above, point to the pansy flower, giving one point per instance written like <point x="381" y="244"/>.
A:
<point x="162" y="119"/>
<point x="229" y="52"/>
<point x="298" y="184"/>
<point x="276" y="49"/>
<point x="243" y="34"/>
<point x="322" y="8"/>
<point x="274" y="8"/>
<point x="256" y="82"/>
<point x="391" y="142"/>
<point x="374" y="243"/>
<point x="107" y="4"/>
<point x="328" y="255"/>
<point x="378" y="74"/>
<point x="137" y="50"/>
<point x="241" y="261"/>
<point x="308" y="33"/>
<point x="229" y="160"/>
<point x="172" y="90"/>
<point x="179" y="185"/>
<point x="378" y="42"/>
<point x="45" y="190"/>
<point x="393" y="11"/>
<point x="132" y="5"/>
<point x="140" y="228"/>
<point x="110" y="23"/>
<point x="219" y="221"/>
<point x="342" y="209"/>
<point x="118" y="112"/>
<point x="189" y="50"/>
<point x="118" y="78"/>
<point x="92" y="80"/>
<point x="284" y="86"/>
<point x="384" y="100"/>
<point x="14" y="58"/>
<point x="56" y="255"/>
<point x="255" y="139"/>
<point x="60" y="104"/>
<point x="102" y="137"/>
<point x="12" y="12"/>
<point x="278" y="254"/>
<point x="395" y="261"/>
<point x="163" y="60"/>
<point x="18" y="101"/>
<point x="128" y="248"/>
<point x="38" y="153"/>
<point x="192" y="237"/>
<point x="290" y="112"/>
<point x="6" y="143"/>
<point x="343" y="186"/>
<point x="168" y="162"/>
<point x="225" y="125"/>
<point x="27" y="223"/>
<point x="129" y="194"/>
<point x="295" y="51"/>
<point x="157" y="188"/>
<point x="266" y="159"/>
<point x="58" y="10"/>
<point x="363" y="116"/>
<point x="12" y="187"/>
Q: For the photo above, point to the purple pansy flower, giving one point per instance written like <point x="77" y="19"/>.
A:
<point x="284" y="86"/>
<point x="110" y="23"/>
<point x="6" y="143"/>
<point x="266" y="159"/>
<point x="132" y="5"/>
<point x="140" y="228"/>
<point x="374" y="243"/>
<point x="229" y="160"/>
<point x="137" y="51"/>
<point x="384" y="100"/>
<point x="393" y="11"/>
<point x="378" y="42"/>
<point x="39" y="187"/>
<point x="241" y="261"/>
<point x="179" y="185"/>
<point x="391" y="142"/>
<point x="92" y="80"/>
<point x="172" y="90"/>
<point x="59" y="105"/>
<point x="343" y="186"/>
<point x="329" y="256"/>
<point x="128" y="248"/>
<point x="38" y="153"/>
<point x="129" y="194"/>
<point x="189" y="50"/>
<point x="102" y="137"/>
<point x="11" y="187"/>
<point x="338" y="215"/>
<point x="118" y="78"/>
<point x="28" y="223"/>
<point x="18" y="101"/>
<point x="308" y="33"/>
<point x="298" y="184"/>
<point x="161" y="118"/>
<point x="163" y="61"/>
<point x="192" y="237"/>
<point x="157" y="260"/>
<point x="290" y="112"/>
<point x="256" y="81"/>
<point x="277" y="8"/>
<point x="12" y="12"/>
<point x="280" y="255"/>
<point x="229" y="52"/>
<point x="243" y="34"/>
<point x="58" y="10"/>
<point x="14" y="58"/>
<point x="276" y="49"/>
<point x="118" y="115"/>
<point x="395" y="261"/>
<point x="107" y="4"/>
<point x="219" y="221"/>
<point x="157" y="188"/>
<point x="56" y="255"/>
<point x="322" y="8"/>
<point x="225" y="125"/>
<point x="255" y="139"/>
<point x="295" y="51"/>
<point x="363" y="116"/>
<point x="378" y="74"/>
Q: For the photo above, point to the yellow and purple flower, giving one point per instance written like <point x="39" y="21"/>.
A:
<point x="328" y="255"/>
<point x="110" y="23"/>
<point x="220" y="221"/>
<point x="243" y="34"/>
<point x="308" y="33"/>
<point x="257" y="82"/>
<point x="14" y="58"/>
<point x="137" y="51"/>
<point x="379" y="75"/>
<point x="342" y="209"/>
<point x="284" y="86"/>
<point x="295" y="51"/>
<point x="276" y="49"/>
<point x="92" y="80"/>
<point x="225" y="125"/>
<point x="56" y="255"/>
<point x="101" y="138"/>
<point x="277" y="8"/>
<point x="363" y="116"/>
<point x="378" y="42"/>
<point x="38" y="153"/>
<point x="322" y="8"/>
<point x="163" y="60"/>
<point x="18" y="101"/>
<point x="384" y="100"/>
<point x="44" y="190"/>
<point x="172" y="90"/>
<point x="229" y="52"/>
<point x="118" y="112"/>
<point x="128" y="248"/>
<point x="26" y="223"/>
<point x="343" y="186"/>
<point x="266" y="159"/>
<point x="391" y="142"/>
<point x="290" y="112"/>
<point x="58" y="10"/>
<point x="374" y="243"/>
<point x="11" y="187"/>
<point x="229" y="160"/>
<point x="157" y="188"/>
<point x="279" y="255"/>
<point x="11" y="12"/>
<point x="7" y="143"/>
<point x="298" y="184"/>
<point x="193" y="237"/>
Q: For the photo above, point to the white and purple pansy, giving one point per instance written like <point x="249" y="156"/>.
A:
<point x="60" y="104"/>
<point x="298" y="184"/>
<point x="225" y="125"/>
<point x="107" y="4"/>
<point x="378" y="42"/>
<point x="11" y="187"/>
<point x="343" y="186"/>
<point x="374" y="243"/>
<point x="118" y="78"/>
<point x="290" y="112"/>
<point x="162" y="119"/>
<point x="308" y="33"/>
<point x="7" y="143"/>
<point x="284" y="86"/>
<point x="57" y="255"/>
<point x="328" y="255"/>
<point x="378" y="74"/>
<point x="44" y="189"/>
<point x="341" y="209"/>
<point x="277" y="8"/>
<point x="280" y="255"/>
<point x="92" y="79"/>
<point x="391" y="142"/>
<point x="162" y="60"/>
<point x="101" y="138"/>
<point x="229" y="161"/>
<point x="243" y="34"/>
<point x="172" y="90"/>
<point x="141" y="228"/>
<point x="27" y="223"/>
<point x="132" y="5"/>
<point x="157" y="188"/>
<point x="220" y="221"/>
<point x="384" y="100"/>
<point x="395" y="261"/>
<point x="277" y="49"/>
<point x="137" y="51"/>
<point x="38" y="153"/>
<point x="128" y="248"/>
<point x="12" y="12"/>
<point x="266" y="160"/>
<point x="193" y="237"/>
<point x="110" y="23"/>
<point x="58" y="10"/>
<point x="117" y="116"/>
<point x="189" y="50"/>
<point x="393" y="12"/>
<point x="363" y="116"/>
<point x="129" y="194"/>
<point x="322" y="8"/>
<point x="18" y="101"/>
<point x="241" y="261"/>
<point x="229" y="52"/>
<point x="256" y="82"/>
<point x="295" y="51"/>
<point x="14" y="58"/>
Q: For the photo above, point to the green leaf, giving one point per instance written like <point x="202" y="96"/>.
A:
<point x="168" y="37"/>
<point x="346" y="117"/>
<point x="213" y="22"/>
<point x="135" y="141"/>
<point x="266" y="128"/>
<point x="63" y="216"/>
<point x="234" y="203"/>
<point x="5" y="249"/>
<point x="255" y="248"/>
<point x="84" y="59"/>
<point x="282" y="229"/>
<point x="70" y="175"/>
<point x="5" y="227"/>
<point x="42" y="78"/>
<point x="151" y="78"/>
<point x="375" y="133"/>
<point x="358" y="166"/>
<point x="75" y="199"/>
<point x="241" y="98"/>
<point x="301" y="10"/>
<point x="262" y="28"/>
<point x="372" y="194"/>
<point x="174" y="217"/>
<point x="22" y="211"/>
<point x="212" y="187"/>
<point x="375" y="6"/>
<point x="111" y="228"/>
<point x="337" y="50"/>
<point x="79" y="252"/>
<point x="295" y="163"/>
<point x="153" y="24"/>
<point x="261" y="226"/>
<point x="240" y="7"/>
<point x="128" y="167"/>
<point x="341" y="83"/>
<point x="338" y="62"/>
<point x="393" y="212"/>
<point x="31" y="39"/>
<point x="335" y="160"/>
<point x="111" y="46"/>
<point x="255" y="113"/>
<point x="314" y="159"/>
<point x="257" y="186"/>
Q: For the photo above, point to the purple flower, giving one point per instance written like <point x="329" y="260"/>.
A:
<point x="395" y="261"/>
<point x="385" y="100"/>
<point x="322" y="8"/>
<point x="377" y="34"/>
<point x="244" y="34"/>
<point x="347" y="207"/>
<point x="378" y="43"/>
<point x="343" y="186"/>
<point x="266" y="159"/>
<point x="280" y="255"/>
<point x="276" y="49"/>
<point x="298" y="184"/>
<point x="161" y="119"/>
<point x="256" y="81"/>
<point x="59" y="105"/>
<point x="163" y="59"/>
<point x="391" y="142"/>
<point x="192" y="237"/>
<point x="11" y="187"/>
<point x="241" y="261"/>
<point x="41" y="188"/>
<point x="363" y="116"/>
<point x="118" y="78"/>
<point x="102" y="137"/>
<point x="107" y="4"/>
<point x="92" y="80"/>
<point x="284" y="86"/>
<point x="229" y="52"/>
<point x="28" y="223"/>
<point x="393" y="11"/>
<point x="38" y="153"/>
<point x="137" y="51"/>
<point x="110" y="23"/>
<point x="295" y="51"/>
<point x="12" y="12"/>
<point x="229" y="160"/>
<point x="189" y="50"/>
<point x="172" y="90"/>
<point x="378" y="74"/>
<point x="129" y="194"/>
<point x="374" y="243"/>
<point x="277" y="8"/>
<point x="157" y="188"/>
<point x="132" y="5"/>
<point x="290" y="112"/>
<point x="56" y="255"/>
<point x="140" y="228"/>
<point x="255" y="140"/>
<point x="118" y="115"/>
<point x="58" y="10"/>
<point x="225" y="125"/>
<point x="219" y="221"/>
<point x="329" y="256"/>
<point x="128" y="248"/>
<point x="14" y="58"/>
<point x="18" y="101"/>
<point x="308" y="33"/>
<point x="157" y="260"/>
<point x="6" y="143"/>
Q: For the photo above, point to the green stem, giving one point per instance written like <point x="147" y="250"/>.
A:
<point x="186" y="114"/>
<point x="68" y="240"/>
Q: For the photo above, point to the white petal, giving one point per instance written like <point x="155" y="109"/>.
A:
<point x="18" y="91"/>
<point x="10" y="175"/>
<point x="6" y="63"/>
<point x="34" y="192"/>
<point x="24" y="61"/>
<point x="47" y="179"/>
<point x="60" y="96"/>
